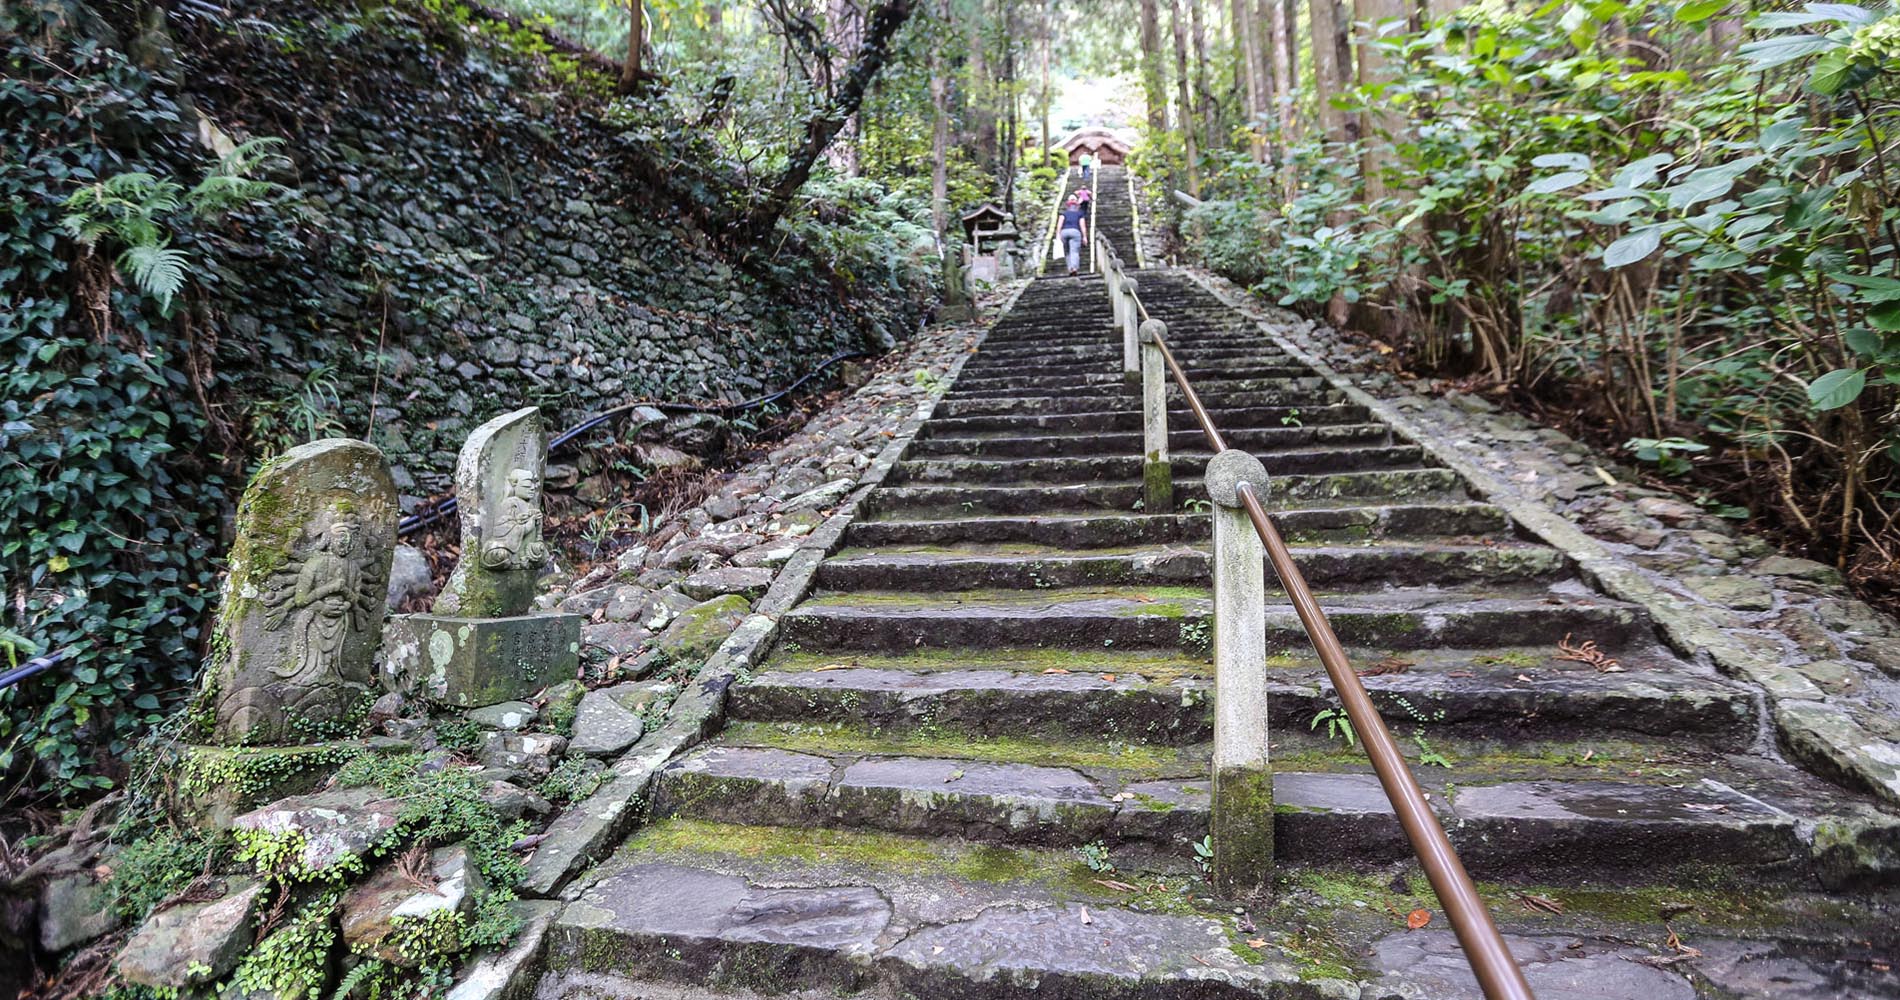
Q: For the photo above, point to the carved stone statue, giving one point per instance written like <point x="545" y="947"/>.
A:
<point x="498" y="495"/>
<point x="514" y="540"/>
<point x="480" y="645"/>
<point x="303" y="605"/>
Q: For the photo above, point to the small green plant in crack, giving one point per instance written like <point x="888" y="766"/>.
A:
<point x="1196" y="506"/>
<point x="1203" y="855"/>
<point x="1195" y="637"/>
<point x="1427" y="753"/>
<point x="926" y="380"/>
<point x="1292" y="418"/>
<point x="1338" y="725"/>
<point x="1095" y="855"/>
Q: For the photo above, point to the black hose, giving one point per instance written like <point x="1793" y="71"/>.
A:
<point x="418" y="521"/>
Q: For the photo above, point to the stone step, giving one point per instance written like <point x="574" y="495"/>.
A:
<point x="1212" y="391"/>
<point x="1103" y="375"/>
<point x="1106" y="530"/>
<point x="1025" y="405"/>
<point x="1157" y="697"/>
<point x="817" y="912"/>
<point x="1179" y="618"/>
<point x="1129" y="419"/>
<point x="1032" y="566"/>
<point x="1182" y="440"/>
<point x="1290" y="461"/>
<point x="1383" y="485"/>
<point x="1574" y="829"/>
<point x="1106" y="352"/>
<point x="824" y="912"/>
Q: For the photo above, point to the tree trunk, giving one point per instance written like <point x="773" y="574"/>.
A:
<point x="1292" y="13"/>
<point x="1380" y="127"/>
<point x="631" y="72"/>
<point x="824" y="124"/>
<point x="1012" y="122"/>
<point x="1048" y="31"/>
<point x="940" y="131"/>
<point x="982" y="89"/>
<point x="1154" y="88"/>
<point x="1247" y="45"/>
<point x="1208" y="114"/>
<point x="1282" y="86"/>
<point x="1329" y="71"/>
<point x="1184" y="100"/>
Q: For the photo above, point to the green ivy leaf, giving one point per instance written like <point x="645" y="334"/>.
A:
<point x="1837" y="388"/>
<point x="1558" y="182"/>
<point x="1698" y="11"/>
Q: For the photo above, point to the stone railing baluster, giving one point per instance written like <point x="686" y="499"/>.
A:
<point x="1131" y="318"/>
<point x="1243" y="781"/>
<point x="1157" y="477"/>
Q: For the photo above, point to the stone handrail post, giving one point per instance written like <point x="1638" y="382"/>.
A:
<point x="1243" y="782"/>
<point x="1157" y="478"/>
<point x="1131" y="334"/>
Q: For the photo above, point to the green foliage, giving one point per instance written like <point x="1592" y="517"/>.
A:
<point x="1699" y="250"/>
<point x="109" y="498"/>
<point x="156" y="866"/>
<point x="571" y="780"/>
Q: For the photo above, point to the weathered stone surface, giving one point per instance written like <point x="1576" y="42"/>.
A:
<point x="410" y="577"/>
<point x="708" y="584"/>
<point x="769" y="554"/>
<point x="604" y="727"/>
<point x="1827" y="740"/>
<point x="498" y="478"/>
<point x="303" y="607"/>
<point x="1800" y="569"/>
<point x="507" y="715"/>
<point x="635" y="696"/>
<point x="74" y="909"/>
<point x="335" y="826"/>
<point x="699" y="630"/>
<point x="1739" y="592"/>
<point x="373" y="910"/>
<point x="192" y="944"/>
<point x="511" y="801"/>
<point x="470" y="662"/>
<point x="1429" y="963"/>
<point x="820" y="497"/>
<point x="509" y="974"/>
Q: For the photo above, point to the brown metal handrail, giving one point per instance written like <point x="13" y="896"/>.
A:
<point x="1491" y="962"/>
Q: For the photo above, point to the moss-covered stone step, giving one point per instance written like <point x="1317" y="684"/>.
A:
<point x="1212" y="370"/>
<point x="1333" y="929"/>
<point x="1597" y="830"/>
<point x="1213" y="385"/>
<point x="1062" y="402"/>
<point x="1129" y="419"/>
<point x="1104" y="694"/>
<point x="833" y="912"/>
<point x="1178" y="618"/>
<point x="1105" y="530"/>
<point x="1383" y="486"/>
<point x="1028" y="566"/>
<point x="1184" y="439"/>
<point x="1315" y="459"/>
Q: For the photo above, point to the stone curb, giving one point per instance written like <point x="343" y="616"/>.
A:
<point x="588" y="829"/>
<point x="1823" y="737"/>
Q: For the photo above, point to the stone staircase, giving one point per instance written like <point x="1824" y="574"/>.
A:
<point x="1114" y="214"/>
<point x="976" y="765"/>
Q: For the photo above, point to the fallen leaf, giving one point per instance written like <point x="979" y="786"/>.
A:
<point x="1608" y="480"/>
<point x="1418" y="918"/>
<point x="1085" y="916"/>
<point x="1663" y="961"/>
<point x="1461" y="673"/>
<point x="1533" y="901"/>
<point x="1526" y="678"/>
<point x="1389" y="665"/>
<point x="1055" y="670"/>
<point x="1706" y="807"/>
<point x="1109" y="678"/>
<point x="1256" y="943"/>
<point x="938" y="950"/>
<point x="954" y="775"/>
<point x="1112" y="884"/>
<point x="831" y="666"/>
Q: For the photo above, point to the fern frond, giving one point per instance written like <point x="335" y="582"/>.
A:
<point x="157" y="270"/>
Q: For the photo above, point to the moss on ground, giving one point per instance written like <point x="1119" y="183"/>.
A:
<point x="1131" y="760"/>
<point x="1154" y="665"/>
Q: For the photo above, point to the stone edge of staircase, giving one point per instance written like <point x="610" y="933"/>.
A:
<point x="587" y="830"/>
<point x="1821" y="736"/>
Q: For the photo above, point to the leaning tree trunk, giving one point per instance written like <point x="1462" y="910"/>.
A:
<point x="825" y="123"/>
<point x="940" y="131"/>
<point x="1247" y="46"/>
<point x="844" y="32"/>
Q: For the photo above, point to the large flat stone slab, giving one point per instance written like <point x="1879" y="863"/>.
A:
<point x="1429" y="963"/>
